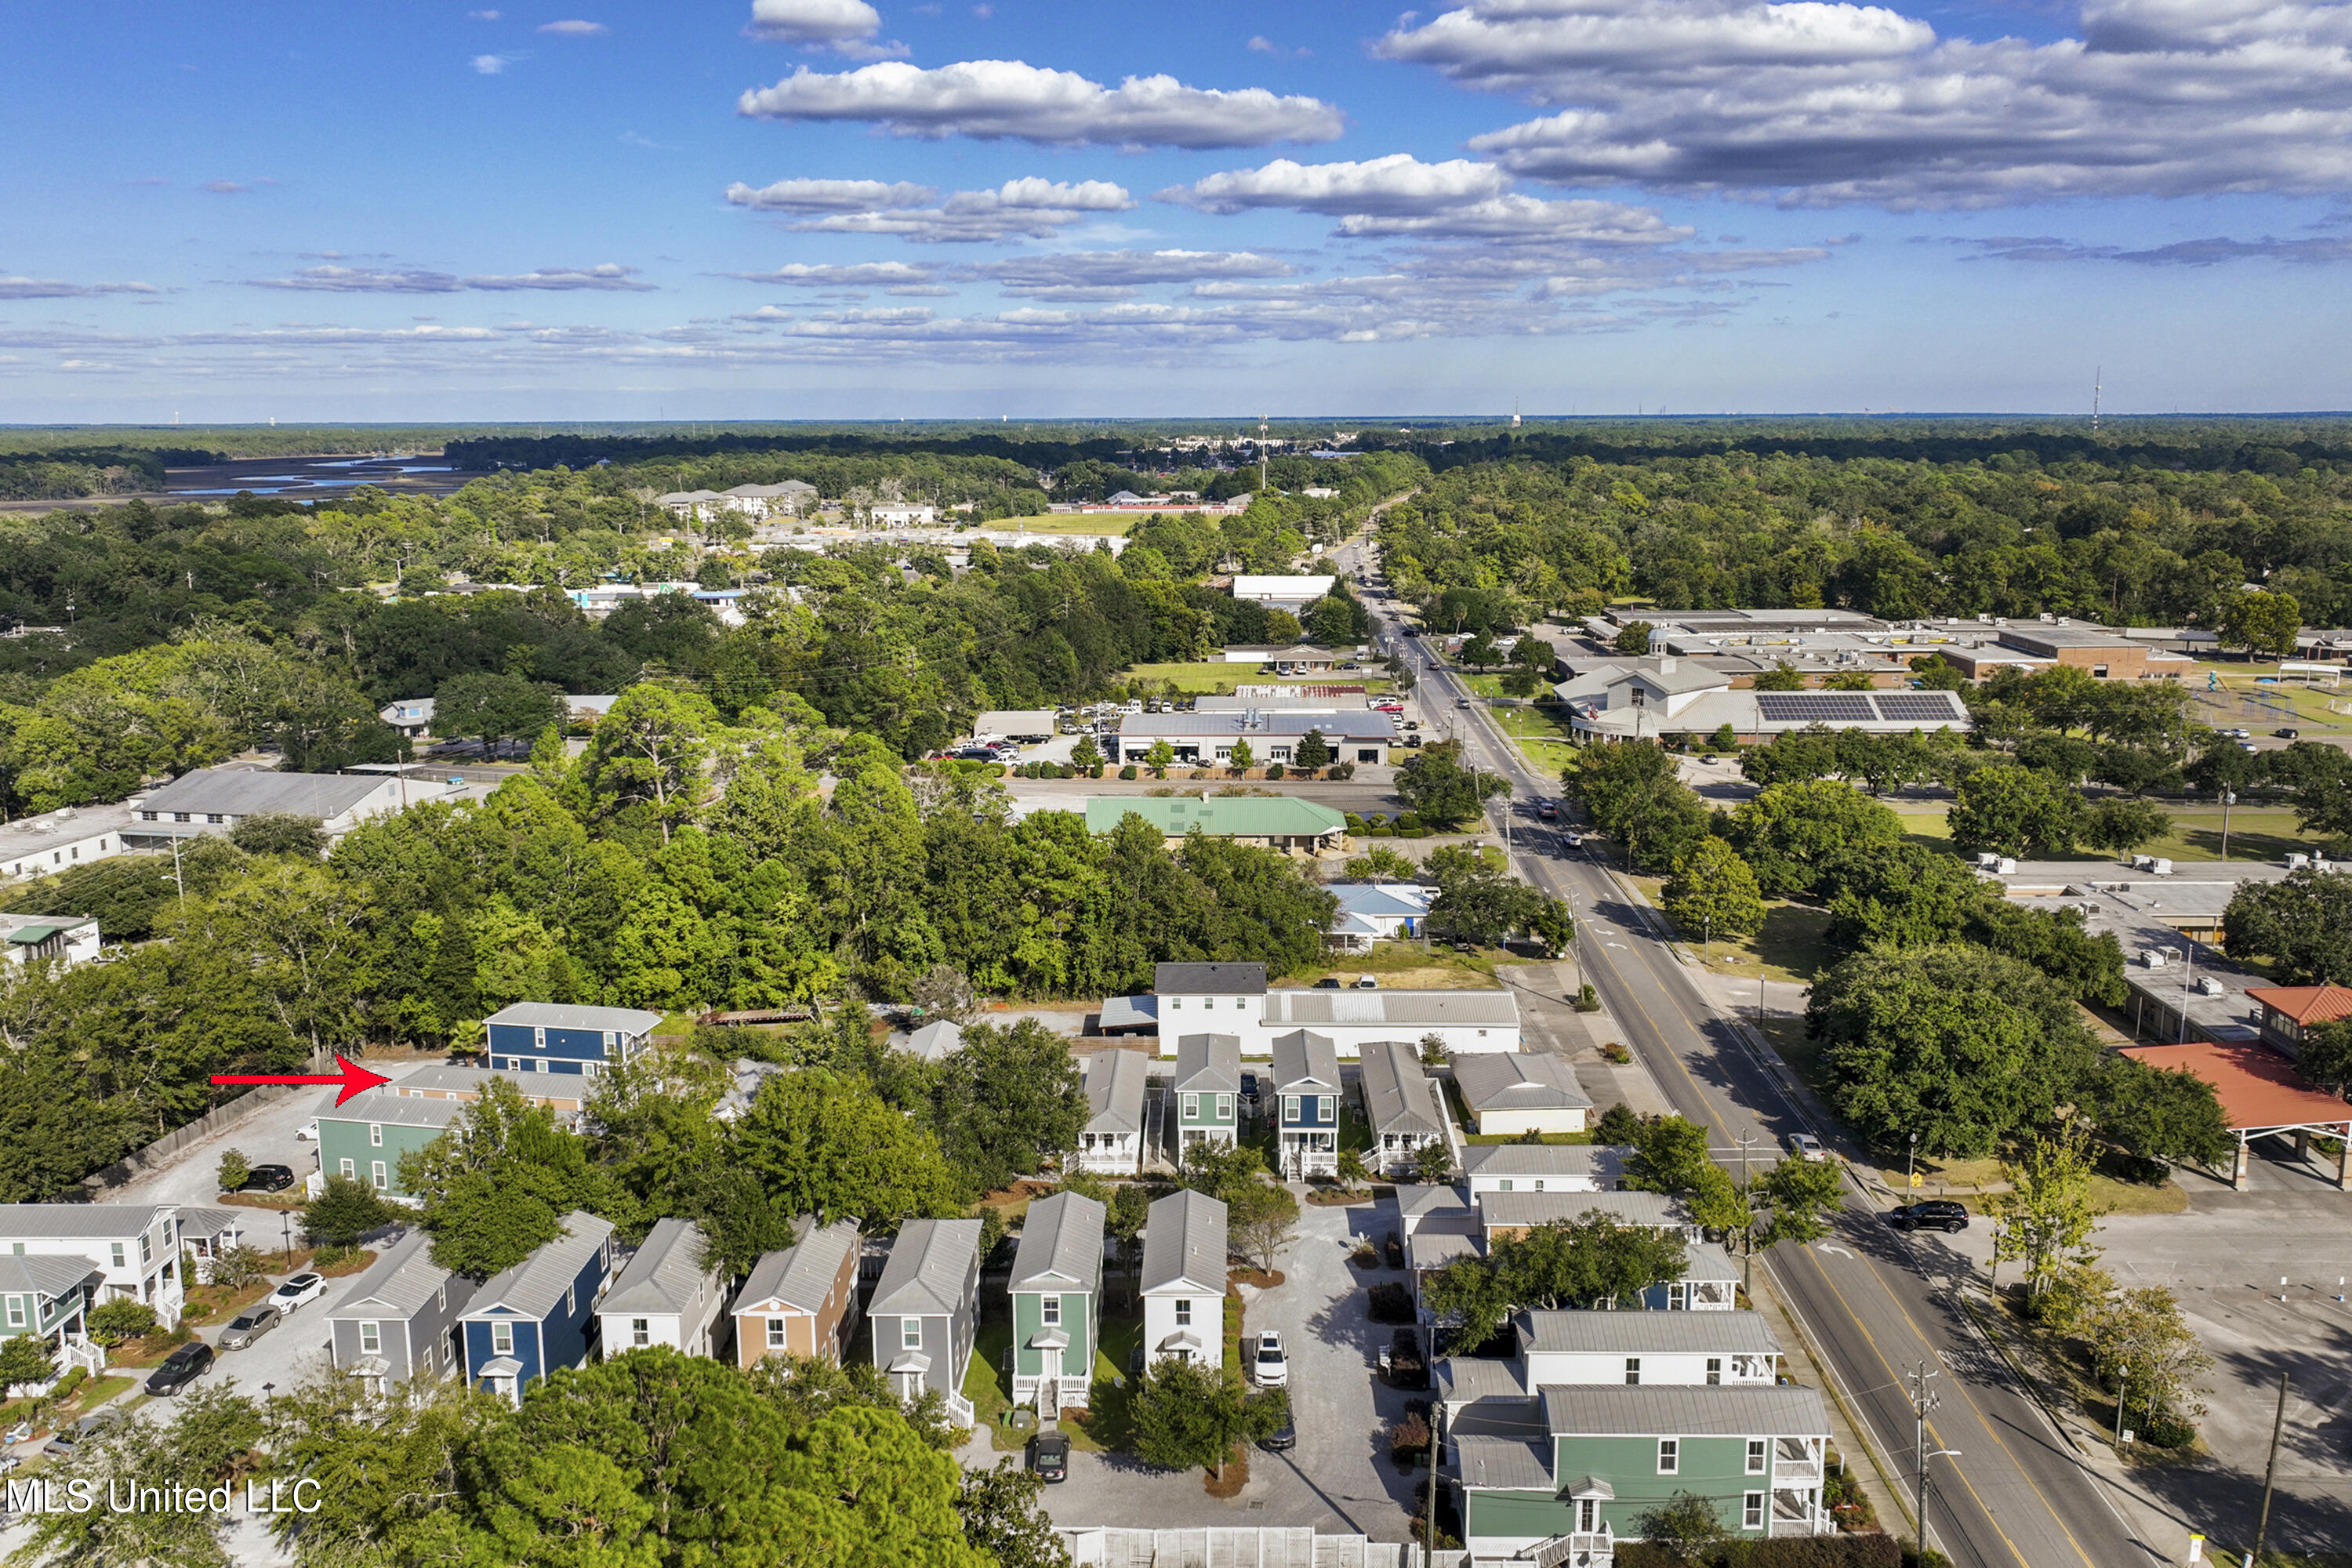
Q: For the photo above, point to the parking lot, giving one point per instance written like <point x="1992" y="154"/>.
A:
<point x="1338" y="1478"/>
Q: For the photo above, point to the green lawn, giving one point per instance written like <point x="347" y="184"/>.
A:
<point x="1540" y="733"/>
<point x="2256" y="833"/>
<point x="986" y="1384"/>
<point x="1112" y="523"/>
<point x="1110" y="1420"/>
<point x="1218" y="678"/>
<point x="1793" y="944"/>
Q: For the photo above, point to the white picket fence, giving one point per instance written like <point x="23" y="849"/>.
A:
<point x="1245" y="1546"/>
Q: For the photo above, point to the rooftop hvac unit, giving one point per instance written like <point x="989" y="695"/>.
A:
<point x="2152" y="956"/>
<point x="2208" y="986"/>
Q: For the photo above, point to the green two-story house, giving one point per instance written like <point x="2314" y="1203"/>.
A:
<point x="364" y="1137"/>
<point x="1562" y="1475"/>
<point x="51" y="1297"/>
<point x="1207" y="1090"/>
<point x="1056" y="1284"/>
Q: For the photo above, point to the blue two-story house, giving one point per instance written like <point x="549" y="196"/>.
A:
<point x="1306" y="1090"/>
<point x="538" y="1315"/>
<point x="554" y="1036"/>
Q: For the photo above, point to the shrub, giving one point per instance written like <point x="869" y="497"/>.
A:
<point x="235" y="1170"/>
<point x="1408" y="1438"/>
<point x="1390" y="1303"/>
<point x="1616" y="1053"/>
<point x="1127" y="772"/>
<point x="69" y="1384"/>
<point x="1342" y="772"/>
<point x="2168" y="1431"/>
<point x="993" y="769"/>
<point x="120" y="1321"/>
<point x="1407" y="821"/>
<point x="1380" y="830"/>
<point x="1588" y="1000"/>
<point x="1355" y="823"/>
<point x="1365" y="1256"/>
<point x="1274" y="769"/>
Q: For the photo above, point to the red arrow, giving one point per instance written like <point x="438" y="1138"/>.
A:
<point x="354" y="1077"/>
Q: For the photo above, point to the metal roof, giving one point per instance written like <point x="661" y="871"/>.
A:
<point x="46" y="1274"/>
<point x="1126" y="1012"/>
<point x="1705" y="1262"/>
<point x="934" y="1042"/>
<point x="1654" y="1410"/>
<point x="1600" y="1162"/>
<point x="929" y="1261"/>
<point x="1302" y="1060"/>
<point x="1115" y="1084"/>
<point x="1398" y="1096"/>
<point x="562" y="1015"/>
<point x="1415" y="1201"/>
<point x="401" y="1280"/>
<point x="1061" y="1243"/>
<point x="385" y="1105"/>
<point x="1653" y="1209"/>
<point x="1510" y="1081"/>
<point x="1209" y="979"/>
<point x="106" y="1220"/>
<point x="2306" y="1003"/>
<point x="665" y="1274"/>
<point x="1436" y="1249"/>
<point x="1264" y="723"/>
<point x="29" y="836"/>
<point x="1633" y="1333"/>
<point x="534" y="1286"/>
<point x="1411" y="899"/>
<point x="207" y="1223"/>
<point x="1409" y="1010"/>
<point x="1237" y="816"/>
<point x="1184" y="1244"/>
<point x="801" y="1276"/>
<point x="251" y="791"/>
<point x="1208" y="1064"/>
<point x="1462" y="1378"/>
<point x="1503" y="1463"/>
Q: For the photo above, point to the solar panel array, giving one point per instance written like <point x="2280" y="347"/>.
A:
<point x="1814" y="707"/>
<point x="1926" y="707"/>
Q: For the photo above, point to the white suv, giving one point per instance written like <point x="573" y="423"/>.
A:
<point x="1270" y="1368"/>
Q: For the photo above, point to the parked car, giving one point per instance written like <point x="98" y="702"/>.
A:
<point x="181" y="1368"/>
<point x="1805" y="1146"/>
<point x="250" y="1325"/>
<point x="268" y="1179"/>
<point x="1404" y="1361"/>
<point x="1368" y="982"/>
<point x="1269" y="1368"/>
<point x="297" y="1291"/>
<point x="2239" y="735"/>
<point x="308" y="1131"/>
<point x="1282" y="1436"/>
<point x="1933" y="1214"/>
<point x="65" y="1442"/>
<point x="1328" y="983"/>
<point x="1393" y="708"/>
<point x="1049" y="1455"/>
<point x="1392" y="1249"/>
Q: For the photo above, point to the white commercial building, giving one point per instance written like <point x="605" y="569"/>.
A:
<point x="70" y="836"/>
<point x="1283" y="593"/>
<point x="1233" y="999"/>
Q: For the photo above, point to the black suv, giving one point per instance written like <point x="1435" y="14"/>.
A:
<point x="181" y="1368"/>
<point x="268" y="1179"/>
<point x="1934" y="1214"/>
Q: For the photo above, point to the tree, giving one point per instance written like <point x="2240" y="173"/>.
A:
<point x="1085" y="753"/>
<point x="1433" y="1164"/>
<point x="1002" y="1517"/>
<point x="1633" y="792"/>
<point x="1477" y="900"/>
<point x="280" y="833"/>
<point x="1590" y="1262"/>
<point x="1244" y="758"/>
<point x="1633" y="638"/>
<point x="23" y="1358"/>
<point x="234" y="1267"/>
<point x="646" y="760"/>
<point x="824" y="1143"/>
<point x="1711" y="891"/>
<point x="1351" y="1171"/>
<point x="491" y="708"/>
<point x="1481" y="651"/>
<point x="1683" y="1526"/>
<point x="1900" y="895"/>
<point x="2046" y="1219"/>
<point x="1264" y="1220"/>
<point x="1789" y="833"/>
<point x="1961" y="1045"/>
<point x="118" y="1319"/>
<point x="234" y="1172"/>
<point x="1848" y="680"/>
<point x="1190" y="1416"/>
<point x="2141" y="1341"/>
<point x="1617" y="1126"/>
<point x="2122" y="826"/>
<point x="2015" y="811"/>
<point x="1469" y="1301"/>
<point x="496" y="1184"/>
<point x="2159" y="1117"/>
<point x="343" y="1212"/>
<point x="1794" y="1200"/>
<point x="1131" y="1211"/>
<point x="945" y="992"/>
<point x="1436" y="784"/>
<point x="2303" y="924"/>
<point x="2262" y="623"/>
<point x="1381" y="864"/>
<point x="1783" y="676"/>
<point x="1158" y="758"/>
<point x="1312" y="751"/>
<point x="1521" y="682"/>
<point x="211" y="1434"/>
<point x="1006" y="1100"/>
<point x="2325" y="1058"/>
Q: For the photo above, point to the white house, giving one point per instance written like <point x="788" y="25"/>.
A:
<point x="1510" y="1093"/>
<point x="1183" y="1285"/>
<point x="1630" y="1349"/>
<point x="412" y="716"/>
<point x="903" y="514"/>
<point x="135" y="1247"/>
<point x="214" y="800"/>
<point x="69" y="836"/>
<point x="1284" y="592"/>
<point x="64" y="939"/>
<point x="1543" y="1168"/>
<point x="1111" y="1144"/>
<point x="671" y="1293"/>
<point x="1376" y="911"/>
<point x="1233" y="999"/>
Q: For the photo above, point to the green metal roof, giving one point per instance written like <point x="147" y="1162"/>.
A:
<point x="1233" y="815"/>
<point x="30" y="935"/>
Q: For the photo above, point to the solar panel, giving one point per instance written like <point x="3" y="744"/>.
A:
<point x="1814" y="707"/>
<point x="1903" y="706"/>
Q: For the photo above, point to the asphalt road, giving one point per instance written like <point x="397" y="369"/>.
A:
<point x="2009" y="1492"/>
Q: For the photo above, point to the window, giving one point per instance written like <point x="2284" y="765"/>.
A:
<point x="1714" y="1370"/>
<point x="371" y="1338"/>
<point x="1504" y="1185"/>
<point x="502" y="1339"/>
<point x="1177" y="1003"/>
<point x="146" y="1248"/>
<point x="1755" y="1456"/>
<point x="375" y="1134"/>
<point x="1225" y="1107"/>
<point x="1290" y="1108"/>
<point x="611" y="1040"/>
<point x="2098" y="672"/>
<point x="376" y="1176"/>
<point x="539" y="1039"/>
<point x="910" y="1333"/>
<point x="775" y="1333"/>
<point x="1052" y="1307"/>
<point x="571" y="1298"/>
<point x="118" y="1254"/>
<point x="1633" y="1371"/>
<point x="179" y="816"/>
<point x="1183" y="1314"/>
<point x="1539" y="1186"/>
<point x="15" y="1311"/>
<point x="1751" y="1511"/>
<point x="1677" y="1295"/>
<point x="350" y="1167"/>
<point x="1670" y="1455"/>
<point x="640" y="1331"/>
<point x="1588" y="1515"/>
<point x="214" y="816"/>
<point x="1191" y="1108"/>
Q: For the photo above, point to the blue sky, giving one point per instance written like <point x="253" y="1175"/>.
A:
<point x="828" y="208"/>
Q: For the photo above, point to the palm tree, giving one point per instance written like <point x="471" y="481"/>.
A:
<point x="1352" y="1171"/>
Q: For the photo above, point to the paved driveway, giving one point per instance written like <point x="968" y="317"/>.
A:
<point x="1338" y="1479"/>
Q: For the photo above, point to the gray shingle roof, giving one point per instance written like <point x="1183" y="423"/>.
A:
<point x="105" y="1220"/>
<point x="1412" y="1011"/>
<point x="1654" y="1209"/>
<point x="1602" y="1163"/>
<point x="1209" y="1064"/>
<point x="935" y="1041"/>
<point x="1503" y="1463"/>
<point x="1208" y="980"/>
<point x="249" y="791"/>
<point x="534" y="1286"/>
<point x="665" y="1273"/>
<point x="403" y="1278"/>
<point x="1305" y="1061"/>
<point x="801" y="1274"/>
<point x="1415" y="1201"/>
<point x="562" y="1016"/>
<point x="1397" y="1097"/>
<point x="1508" y="1080"/>
<point x="1633" y="1333"/>
<point x="52" y="1276"/>
<point x="1667" y="1411"/>
<point x="1115" y="1084"/>
<point x="929" y="1262"/>
<point x="1184" y="1244"/>
<point x="1061" y="1243"/>
<point x="1464" y="1378"/>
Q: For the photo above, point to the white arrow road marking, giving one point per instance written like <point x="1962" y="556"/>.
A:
<point x="1832" y="1251"/>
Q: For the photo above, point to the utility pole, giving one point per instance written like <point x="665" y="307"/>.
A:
<point x="2097" y="376"/>
<point x="2228" y="799"/>
<point x="2123" y="1394"/>
<point x="2270" y="1475"/>
<point x="1922" y="1403"/>
<point x="1261" y="453"/>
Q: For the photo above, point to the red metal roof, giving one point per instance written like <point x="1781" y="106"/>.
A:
<point x="2306" y="1004"/>
<point x="2256" y="1087"/>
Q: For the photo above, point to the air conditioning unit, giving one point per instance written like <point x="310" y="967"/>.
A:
<point x="2208" y="986"/>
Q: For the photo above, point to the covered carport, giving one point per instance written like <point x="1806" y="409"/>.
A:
<point x="2262" y="1096"/>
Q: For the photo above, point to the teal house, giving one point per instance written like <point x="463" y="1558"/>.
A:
<point x="1562" y="1475"/>
<point x="364" y="1137"/>
<point x="1207" y="1090"/>
<point x="1056" y="1286"/>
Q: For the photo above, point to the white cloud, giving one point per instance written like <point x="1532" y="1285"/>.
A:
<point x="854" y="275"/>
<point x="2180" y="253"/>
<point x="847" y="25"/>
<point x="53" y="289"/>
<point x="482" y="15"/>
<point x="332" y="280"/>
<point x="491" y="65"/>
<point x="1823" y="102"/>
<point x="828" y="195"/>
<point x="1400" y="195"/>
<point x="997" y="98"/>
<point x="575" y="29"/>
<point x="1083" y="275"/>
<point x="225" y="187"/>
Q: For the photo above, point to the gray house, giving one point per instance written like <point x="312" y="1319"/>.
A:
<point x="399" y="1319"/>
<point x="926" y="1308"/>
<point x="1400" y="1106"/>
<point x="1056" y="1291"/>
<point x="1112" y="1141"/>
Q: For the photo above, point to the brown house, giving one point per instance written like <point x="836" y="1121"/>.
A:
<point x="802" y="1299"/>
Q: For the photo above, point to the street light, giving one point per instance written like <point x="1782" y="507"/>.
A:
<point x="1924" y="1545"/>
<point x="1910" y="1163"/>
<point x="2228" y="799"/>
<point x="286" y="1223"/>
